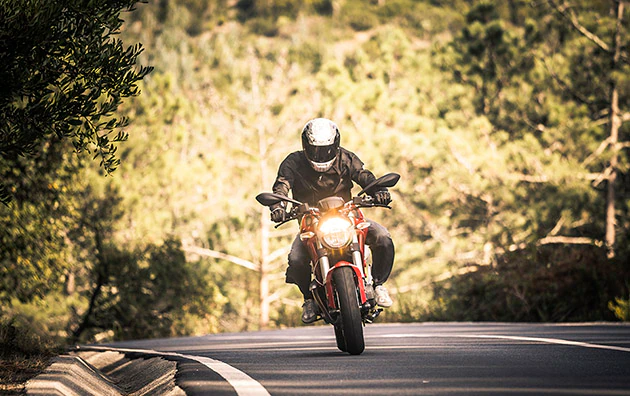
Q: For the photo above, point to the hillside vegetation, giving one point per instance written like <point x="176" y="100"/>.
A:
<point x="499" y="116"/>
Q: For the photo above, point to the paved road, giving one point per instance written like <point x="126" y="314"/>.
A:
<point x="408" y="359"/>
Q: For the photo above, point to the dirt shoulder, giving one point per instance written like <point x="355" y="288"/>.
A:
<point x="15" y="371"/>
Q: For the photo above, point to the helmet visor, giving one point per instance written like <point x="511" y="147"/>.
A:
<point x="321" y="153"/>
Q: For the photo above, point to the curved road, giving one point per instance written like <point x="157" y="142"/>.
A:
<point x="406" y="359"/>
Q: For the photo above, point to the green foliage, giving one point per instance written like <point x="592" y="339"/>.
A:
<point x="534" y="79"/>
<point x="34" y="253"/>
<point x="38" y="327"/>
<point x="359" y="18"/>
<point x="149" y="293"/>
<point x="64" y="74"/>
<point x="466" y="100"/>
<point x="263" y="26"/>
<point x="493" y="57"/>
<point x="274" y="9"/>
<point x="548" y="285"/>
<point x="621" y="308"/>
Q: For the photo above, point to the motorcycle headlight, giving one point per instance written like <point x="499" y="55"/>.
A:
<point x="336" y="232"/>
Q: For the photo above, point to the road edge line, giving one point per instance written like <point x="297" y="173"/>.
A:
<point x="555" y="341"/>
<point x="243" y="384"/>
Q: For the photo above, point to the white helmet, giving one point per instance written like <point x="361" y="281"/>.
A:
<point x="320" y="142"/>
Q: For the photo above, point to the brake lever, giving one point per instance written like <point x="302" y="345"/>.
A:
<point x="293" y="214"/>
<point x="374" y="205"/>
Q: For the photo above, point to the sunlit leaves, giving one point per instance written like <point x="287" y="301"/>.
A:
<point x="64" y="73"/>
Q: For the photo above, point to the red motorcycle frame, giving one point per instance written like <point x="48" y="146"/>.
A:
<point x="359" y="264"/>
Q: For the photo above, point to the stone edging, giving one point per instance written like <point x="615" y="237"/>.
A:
<point x="106" y="373"/>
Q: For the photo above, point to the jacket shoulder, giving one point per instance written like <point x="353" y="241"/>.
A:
<point x="349" y="158"/>
<point x="294" y="157"/>
<point x="292" y="161"/>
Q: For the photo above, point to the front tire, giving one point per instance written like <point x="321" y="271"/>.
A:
<point x="341" y="342"/>
<point x="349" y="321"/>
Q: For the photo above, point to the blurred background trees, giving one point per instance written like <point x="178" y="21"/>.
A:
<point x="506" y="120"/>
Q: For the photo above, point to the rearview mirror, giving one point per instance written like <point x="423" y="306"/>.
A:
<point x="268" y="199"/>
<point x="388" y="180"/>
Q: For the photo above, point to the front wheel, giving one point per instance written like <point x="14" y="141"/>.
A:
<point x="341" y="342"/>
<point x="349" y="322"/>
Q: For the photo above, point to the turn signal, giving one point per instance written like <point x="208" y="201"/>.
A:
<point x="306" y="235"/>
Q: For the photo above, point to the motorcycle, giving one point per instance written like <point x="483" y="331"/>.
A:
<point x="334" y="233"/>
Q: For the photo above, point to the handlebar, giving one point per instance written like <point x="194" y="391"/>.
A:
<point x="356" y="203"/>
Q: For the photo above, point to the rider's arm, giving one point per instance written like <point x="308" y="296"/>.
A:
<point x="286" y="175"/>
<point x="359" y="174"/>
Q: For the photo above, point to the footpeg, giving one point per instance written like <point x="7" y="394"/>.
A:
<point x="373" y="315"/>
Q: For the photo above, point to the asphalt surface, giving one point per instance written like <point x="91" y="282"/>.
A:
<point x="406" y="359"/>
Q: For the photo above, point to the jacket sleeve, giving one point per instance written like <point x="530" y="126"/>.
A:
<point x="283" y="183"/>
<point x="359" y="174"/>
<point x="285" y="178"/>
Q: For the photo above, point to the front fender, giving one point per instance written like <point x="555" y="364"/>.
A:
<point x="330" y="293"/>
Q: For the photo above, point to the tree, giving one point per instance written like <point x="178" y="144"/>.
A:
<point x="602" y="37"/>
<point x="63" y="73"/>
<point x="555" y="92"/>
<point x="493" y="57"/>
<point x="34" y="230"/>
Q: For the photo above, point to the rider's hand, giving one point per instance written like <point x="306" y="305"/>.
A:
<point x="278" y="213"/>
<point x="382" y="197"/>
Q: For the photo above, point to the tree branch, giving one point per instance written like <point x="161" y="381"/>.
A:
<point x="566" y="240"/>
<point x="569" y="15"/>
<point x="597" y="152"/>
<point x="563" y="84"/>
<point x="278" y="253"/>
<point x="222" y="256"/>
<point x="531" y="178"/>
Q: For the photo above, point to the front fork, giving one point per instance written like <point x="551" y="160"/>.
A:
<point x="366" y="270"/>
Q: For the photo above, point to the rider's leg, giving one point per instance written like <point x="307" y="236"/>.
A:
<point x="382" y="248"/>
<point x="299" y="273"/>
<point x="299" y="269"/>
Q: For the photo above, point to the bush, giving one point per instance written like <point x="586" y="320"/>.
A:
<point x="263" y="26"/>
<point x="555" y="284"/>
<point x="308" y="54"/>
<point x="19" y="337"/>
<point x="621" y="308"/>
<point x="323" y="7"/>
<point x="360" y="18"/>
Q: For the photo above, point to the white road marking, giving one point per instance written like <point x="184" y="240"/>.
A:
<point x="557" y="341"/>
<point x="243" y="384"/>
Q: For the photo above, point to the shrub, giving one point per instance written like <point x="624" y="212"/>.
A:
<point x="263" y="26"/>
<point x="556" y="284"/>
<point x="360" y="18"/>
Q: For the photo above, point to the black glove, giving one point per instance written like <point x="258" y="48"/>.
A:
<point x="382" y="197"/>
<point x="278" y="213"/>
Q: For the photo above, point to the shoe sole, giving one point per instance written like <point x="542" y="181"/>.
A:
<point x="385" y="305"/>
<point x="310" y="321"/>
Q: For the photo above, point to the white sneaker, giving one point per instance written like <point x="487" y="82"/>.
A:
<point x="382" y="297"/>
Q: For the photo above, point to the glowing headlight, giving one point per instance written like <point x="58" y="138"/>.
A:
<point x="336" y="232"/>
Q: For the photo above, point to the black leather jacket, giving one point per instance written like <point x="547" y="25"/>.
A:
<point x="308" y="186"/>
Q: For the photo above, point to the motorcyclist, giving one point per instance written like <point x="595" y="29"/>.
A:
<point x="323" y="169"/>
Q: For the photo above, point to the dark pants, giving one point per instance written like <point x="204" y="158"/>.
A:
<point x="381" y="245"/>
